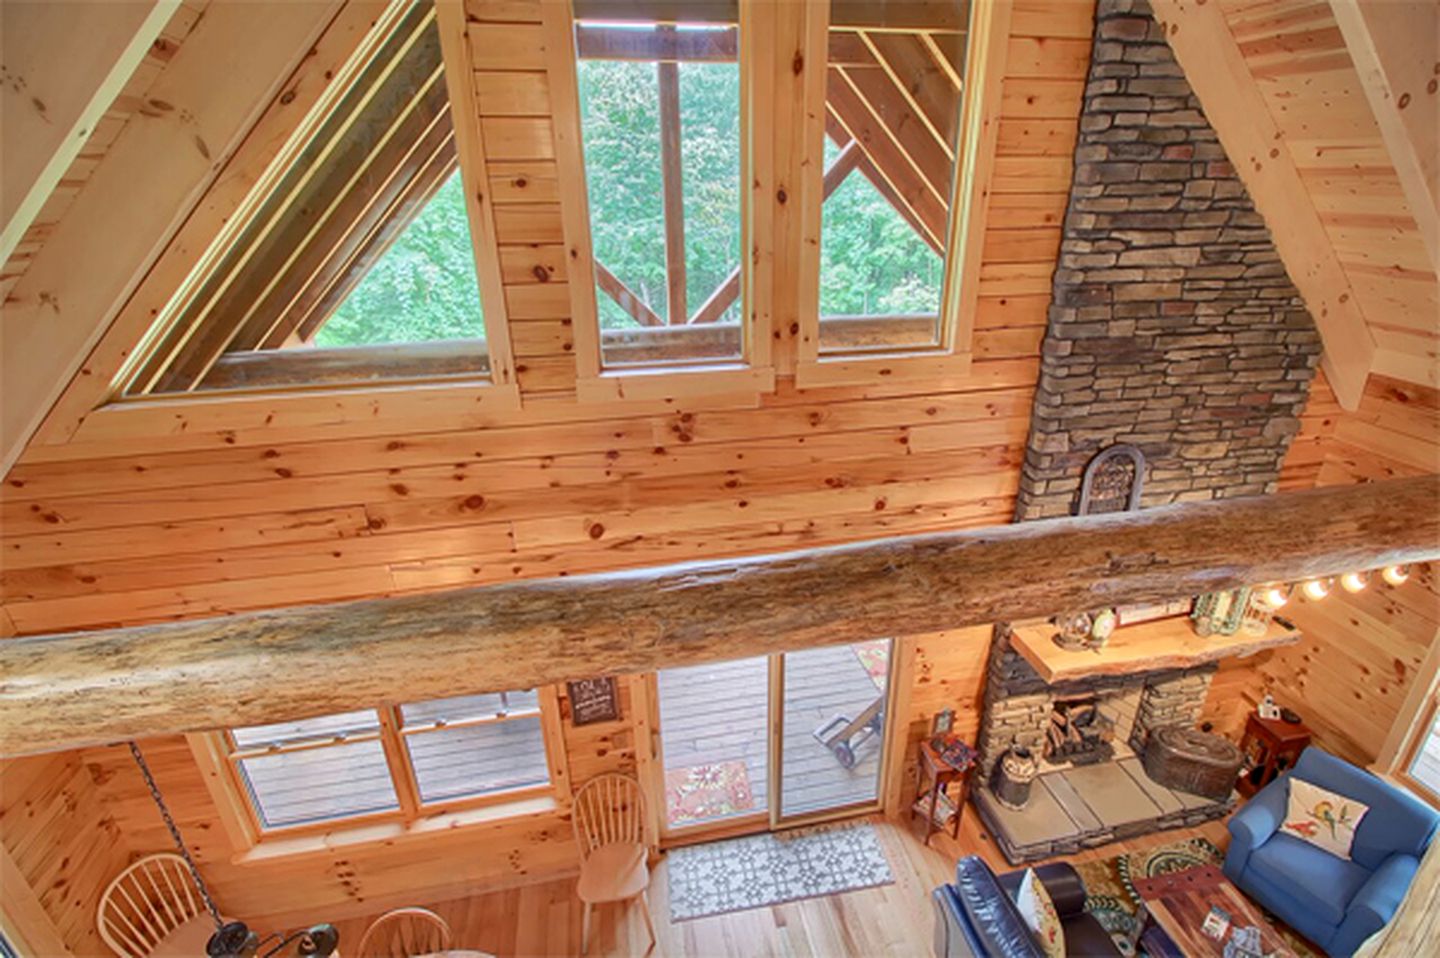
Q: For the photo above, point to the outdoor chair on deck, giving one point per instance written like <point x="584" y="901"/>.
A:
<point x="609" y="820"/>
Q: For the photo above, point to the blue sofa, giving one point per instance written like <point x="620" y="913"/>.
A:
<point x="1337" y="904"/>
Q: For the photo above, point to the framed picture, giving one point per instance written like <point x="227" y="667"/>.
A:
<point x="593" y="700"/>
<point x="1220" y="613"/>
<point x="942" y="723"/>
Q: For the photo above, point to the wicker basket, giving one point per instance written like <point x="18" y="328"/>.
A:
<point x="1192" y="761"/>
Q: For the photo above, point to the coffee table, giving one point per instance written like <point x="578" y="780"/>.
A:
<point x="1179" y="901"/>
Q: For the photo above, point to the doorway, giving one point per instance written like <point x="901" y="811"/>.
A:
<point x="769" y="741"/>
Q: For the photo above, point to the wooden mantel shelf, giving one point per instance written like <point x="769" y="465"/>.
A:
<point x="1145" y="647"/>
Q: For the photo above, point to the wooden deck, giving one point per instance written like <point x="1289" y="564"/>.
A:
<point x="718" y="713"/>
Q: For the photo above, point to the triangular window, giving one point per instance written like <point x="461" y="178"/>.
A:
<point x="355" y="263"/>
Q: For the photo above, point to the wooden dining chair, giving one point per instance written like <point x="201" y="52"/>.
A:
<point x="154" y="908"/>
<point x="404" y="933"/>
<point x="609" y="820"/>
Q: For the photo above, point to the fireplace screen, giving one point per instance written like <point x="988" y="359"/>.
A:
<point x="1079" y="732"/>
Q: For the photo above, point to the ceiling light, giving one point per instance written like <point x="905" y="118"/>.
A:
<point x="1396" y="574"/>
<point x="1275" y="596"/>
<point x="1354" y="581"/>
<point x="1316" y="588"/>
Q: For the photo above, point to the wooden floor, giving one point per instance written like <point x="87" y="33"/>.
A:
<point x="893" y="920"/>
<point x="719" y="713"/>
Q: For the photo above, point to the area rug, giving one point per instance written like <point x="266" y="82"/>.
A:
<point x="759" y="870"/>
<point x="696" y="793"/>
<point x="874" y="656"/>
<point x="1112" y="899"/>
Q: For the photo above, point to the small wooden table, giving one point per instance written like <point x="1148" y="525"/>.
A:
<point x="935" y="775"/>
<point x="1178" y="903"/>
<point x="1270" y="746"/>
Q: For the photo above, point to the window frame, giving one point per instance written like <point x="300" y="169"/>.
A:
<point x="987" y="41"/>
<point x="1419" y="731"/>
<point x="752" y="373"/>
<point x="497" y="387"/>
<point x="219" y="758"/>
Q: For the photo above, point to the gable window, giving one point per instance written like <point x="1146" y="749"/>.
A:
<point x="392" y="762"/>
<point x="353" y="259"/>
<point x="900" y="127"/>
<point x="660" y="129"/>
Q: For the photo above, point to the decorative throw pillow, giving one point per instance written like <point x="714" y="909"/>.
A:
<point x="1322" y="818"/>
<point x="1038" y="910"/>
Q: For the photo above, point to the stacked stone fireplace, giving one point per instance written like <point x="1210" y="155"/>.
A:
<point x="1021" y="709"/>
<point x="1174" y="328"/>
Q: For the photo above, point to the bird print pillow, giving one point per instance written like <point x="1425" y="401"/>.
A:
<point x="1322" y="818"/>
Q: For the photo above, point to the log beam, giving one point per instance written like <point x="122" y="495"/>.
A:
<point x="83" y="689"/>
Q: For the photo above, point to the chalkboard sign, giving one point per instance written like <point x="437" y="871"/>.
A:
<point x="593" y="700"/>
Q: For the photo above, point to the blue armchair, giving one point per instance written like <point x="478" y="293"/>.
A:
<point x="1337" y="904"/>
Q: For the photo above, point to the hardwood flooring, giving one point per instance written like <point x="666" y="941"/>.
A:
<point x="893" y="920"/>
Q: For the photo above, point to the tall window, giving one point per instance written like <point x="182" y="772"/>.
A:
<point x="660" y="123"/>
<point x="354" y="262"/>
<point x="892" y="111"/>
<point x="392" y="761"/>
<point x="901" y="137"/>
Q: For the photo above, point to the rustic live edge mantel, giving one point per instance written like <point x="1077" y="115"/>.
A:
<point x="1147" y="647"/>
<point x="86" y="688"/>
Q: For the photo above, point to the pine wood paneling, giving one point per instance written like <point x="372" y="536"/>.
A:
<point x="64" y="845"/>
<point x="1350" y="673"/>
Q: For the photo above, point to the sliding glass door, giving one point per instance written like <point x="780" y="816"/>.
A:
<point x="833" y="710"/>
<point x="714" y="744"/>
<point x="770" y="740"/>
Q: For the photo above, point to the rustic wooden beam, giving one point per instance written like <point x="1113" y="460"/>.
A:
<point x="86" y="688"/>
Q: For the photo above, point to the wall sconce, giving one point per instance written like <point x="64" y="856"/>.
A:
<point x="1316" y="589"/>
<point x="1396" y="574"/>
<point x="1275" y="595"/>
<point x="1354" y="581"/>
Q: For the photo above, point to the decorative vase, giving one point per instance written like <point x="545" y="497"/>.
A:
<point x="1013" y="776"/>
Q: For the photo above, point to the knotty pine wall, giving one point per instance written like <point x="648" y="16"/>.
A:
<point x="195" y="511"/>
<point x="60" y="844"/>
<point x="1350" y="673"/>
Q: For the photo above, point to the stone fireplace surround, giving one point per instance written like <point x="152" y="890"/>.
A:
<point x="1018" y="703"/>
<point x="1080" y="806"/>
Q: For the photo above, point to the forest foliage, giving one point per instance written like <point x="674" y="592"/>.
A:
<point x="424" y="286"/>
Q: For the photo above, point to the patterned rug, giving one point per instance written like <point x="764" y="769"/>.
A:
<point x="1112" y="899"/>
<point x="760" y="870"/>
<point x="699" y="792"/>
<point x="875" y="657"/>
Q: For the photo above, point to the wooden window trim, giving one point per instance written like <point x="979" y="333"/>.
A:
<point x="1419" y="732"/>
<point x="387" y="366"/>
<point x="753" y="373"/>
<point x="989" y="32"/>
<point x="218" y="758"/>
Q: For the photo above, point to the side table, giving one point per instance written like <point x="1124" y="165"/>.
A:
<point x="1270" y="746"/>
<point x="935" y="776"/>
